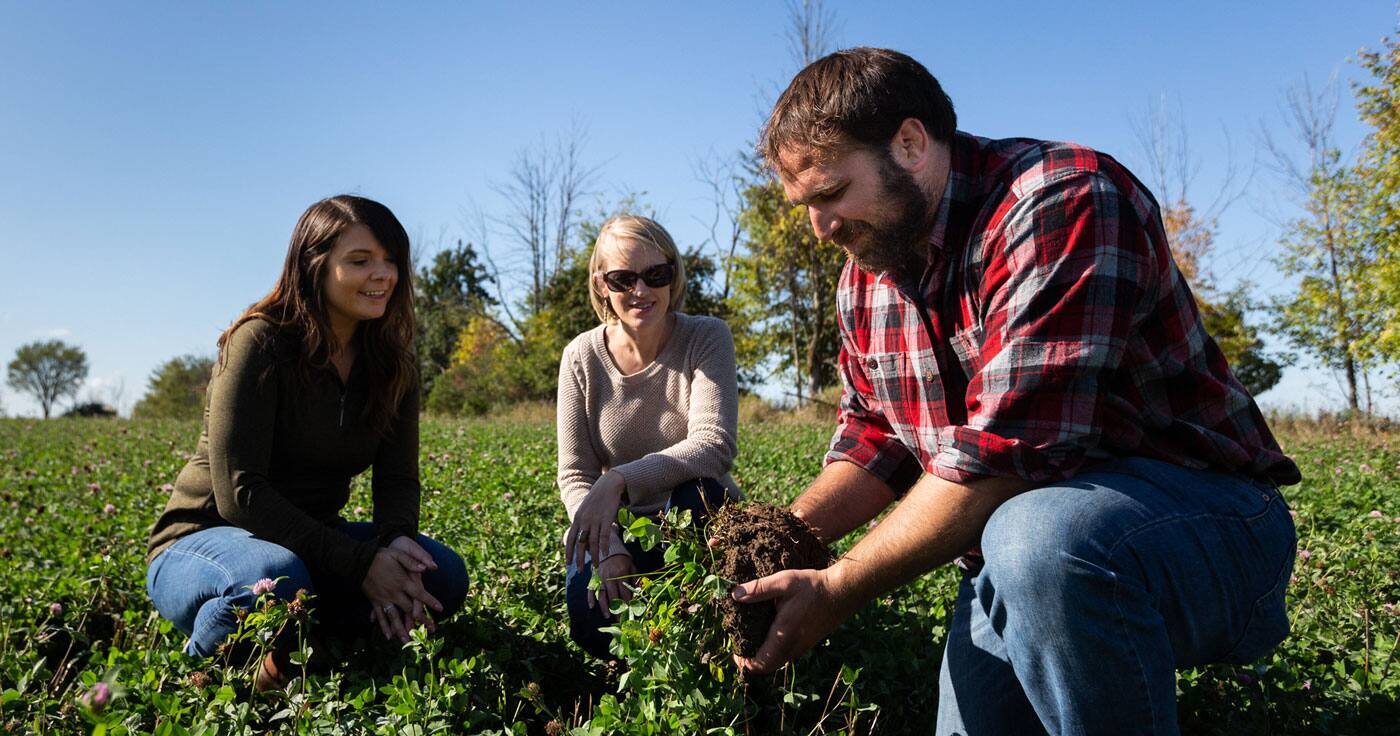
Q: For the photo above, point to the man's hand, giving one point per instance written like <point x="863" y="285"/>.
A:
<point x="809" y="608"/>
<point x="936" y="521"/>
<point x="592" y="529"/>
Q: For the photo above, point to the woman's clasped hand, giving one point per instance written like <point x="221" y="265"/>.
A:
<point x="394" y="587"/>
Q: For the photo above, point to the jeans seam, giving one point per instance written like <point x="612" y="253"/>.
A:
<point x="1137" y="654"/>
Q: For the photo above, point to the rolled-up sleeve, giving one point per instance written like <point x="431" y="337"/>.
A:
<point x="1061" y="296"/>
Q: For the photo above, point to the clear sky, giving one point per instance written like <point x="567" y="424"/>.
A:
<point x="154" y="156"/>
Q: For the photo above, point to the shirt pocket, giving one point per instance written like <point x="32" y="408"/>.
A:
<point x="885" y="371"/>
<point x="909" y="393"/>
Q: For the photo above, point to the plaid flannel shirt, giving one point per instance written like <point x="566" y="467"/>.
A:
<point x="1051" y="330"/>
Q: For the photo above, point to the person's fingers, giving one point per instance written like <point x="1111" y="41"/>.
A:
<point x="592" y="598"/>
<point x="762" y="589"/>
<point x="605" y="596"/>
<point x="396" y="623"/>
<point x="423" y="555"/>
<point x="406" y="560"/>
<point x="775" y="651"/>
<point x="421" y="596"/>
<point x="596" y="542"/>
<point x="382" y="618"/>
<point x="570" y="540"/>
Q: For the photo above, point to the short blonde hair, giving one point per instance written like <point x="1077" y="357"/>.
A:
<point x="642" y="230"/>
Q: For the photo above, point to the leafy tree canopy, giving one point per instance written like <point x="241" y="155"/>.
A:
<point x="48" y="370"/>
<point x="176" y="389"/>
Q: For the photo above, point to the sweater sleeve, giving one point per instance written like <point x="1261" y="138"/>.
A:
<point x="396" y="487"/>
<point x="712" y="420"/>
<point x="579" y="464"/>
<point x="242" y="420"/>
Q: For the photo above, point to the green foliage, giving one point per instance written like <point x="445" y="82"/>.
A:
<point x="489" y="366"/>
<point x="1225" y="320"/>
<point x="1332" y="315"/>
<point x="784" y="302"/>
<point x="1378" y="171"/>
<point x="48" y="370"/>
<point x="81" y="494"/>
<point x="450" y="291"/>
<point x="176" y="389"/>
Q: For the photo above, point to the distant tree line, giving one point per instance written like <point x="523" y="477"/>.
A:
<point x="763" y="270"/>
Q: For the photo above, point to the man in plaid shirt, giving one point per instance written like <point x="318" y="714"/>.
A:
<point x="1026" y="374"/>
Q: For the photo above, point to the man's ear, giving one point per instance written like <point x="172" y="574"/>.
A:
<point x="911" y="146"/>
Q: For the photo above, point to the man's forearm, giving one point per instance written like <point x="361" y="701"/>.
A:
<point x="937" y="521"/>
<point x="842" y="498"/>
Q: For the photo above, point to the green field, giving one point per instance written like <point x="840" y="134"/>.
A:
<point x="79" y="496"/>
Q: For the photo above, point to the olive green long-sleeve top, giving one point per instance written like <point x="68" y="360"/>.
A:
<point x="277" y="454"/>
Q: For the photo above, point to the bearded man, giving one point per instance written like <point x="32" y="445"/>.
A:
<point x="1027" y="378"/>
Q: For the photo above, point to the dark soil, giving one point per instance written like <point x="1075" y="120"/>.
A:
<point x="753" y="540"/>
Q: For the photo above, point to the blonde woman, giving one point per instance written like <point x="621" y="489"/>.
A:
<point x="648" y="404"/>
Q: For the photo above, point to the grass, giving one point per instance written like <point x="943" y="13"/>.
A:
<point x="80" y="495"/>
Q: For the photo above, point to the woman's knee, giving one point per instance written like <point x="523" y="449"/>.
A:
<point x="449" y="582"/>
<point x="700" y="496"/>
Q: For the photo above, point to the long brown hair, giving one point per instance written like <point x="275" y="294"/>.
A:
<point x="296" y="306"/>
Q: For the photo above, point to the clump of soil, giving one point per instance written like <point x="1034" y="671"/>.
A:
<point x="753" y="540"/>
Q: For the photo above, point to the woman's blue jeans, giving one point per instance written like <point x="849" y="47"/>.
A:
<point x="198" y="581"/>
<point x="1094" y="590"/>
<point x="701" y="497"/>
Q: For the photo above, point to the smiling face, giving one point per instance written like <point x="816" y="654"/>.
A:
<point x="641" y="306"/>
<point x="864" y="202"/>
<point x="360" y="278"/>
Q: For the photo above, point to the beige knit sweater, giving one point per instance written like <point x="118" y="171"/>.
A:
<point x="673" y="421"/>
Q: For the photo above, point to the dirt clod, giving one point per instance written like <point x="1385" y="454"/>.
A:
<point x="753" y="540"/>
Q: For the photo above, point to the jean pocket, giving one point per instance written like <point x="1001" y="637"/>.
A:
<point x="1268" y="623"/>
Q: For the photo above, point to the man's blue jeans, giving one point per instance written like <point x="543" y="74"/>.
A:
<point x="198" y="581"/>
<point x="1096" y="589"/>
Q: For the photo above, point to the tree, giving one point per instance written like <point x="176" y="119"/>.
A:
<point x="1224" y="318"/>
<point x="176" y="389"/>
<point x="785" y="291"/>
<point x="449" y="291"/>
<point x="543" y="192"/>
<point x="1378" y="174"/>
<point x="784" y="284"/>
<point x="1191" y="233"/>
<point x="492" y="365"/>
<point x="1331" y="315"/>
<point x="48" y="370"/>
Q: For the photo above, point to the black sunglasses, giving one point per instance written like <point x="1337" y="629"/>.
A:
<point x="662" y="274"/>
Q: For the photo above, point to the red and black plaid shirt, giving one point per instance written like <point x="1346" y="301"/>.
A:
<point x="1051" y="330"/>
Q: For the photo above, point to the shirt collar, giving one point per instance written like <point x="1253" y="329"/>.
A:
<point x="957" y="191"/>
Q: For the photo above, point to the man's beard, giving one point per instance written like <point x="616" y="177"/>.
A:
<point x="898" y="242"/>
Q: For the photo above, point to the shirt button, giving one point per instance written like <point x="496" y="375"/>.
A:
<point x="871" y="364"/>
<point x="928" y="375"/>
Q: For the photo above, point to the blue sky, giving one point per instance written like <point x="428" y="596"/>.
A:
<point x="155" y="156"/>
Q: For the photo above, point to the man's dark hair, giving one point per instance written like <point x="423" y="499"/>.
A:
<point x="855" y="97"/>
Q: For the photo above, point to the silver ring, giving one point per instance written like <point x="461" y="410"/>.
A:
<point x="389" y="607"/>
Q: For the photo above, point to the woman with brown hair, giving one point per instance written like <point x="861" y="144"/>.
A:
<point x="315" y="383"/>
